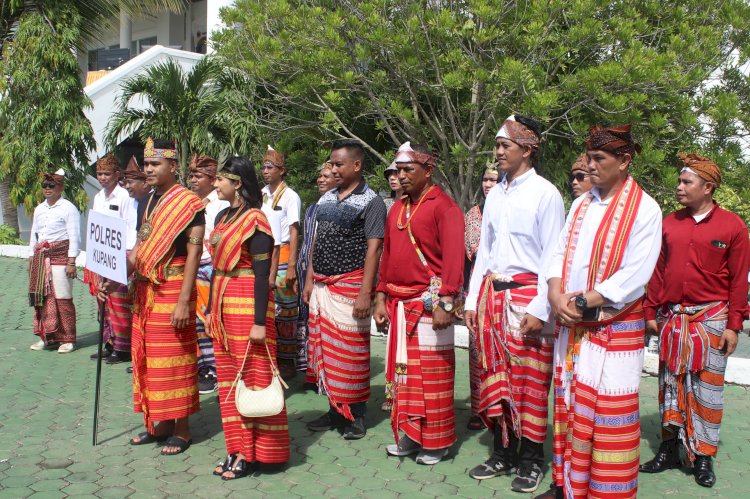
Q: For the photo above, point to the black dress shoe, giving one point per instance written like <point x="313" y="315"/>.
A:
<point x="667" y="457"/>
<point x="554" y="492"/>
<point x="117" y="357"/>
<point x="129" y="370"/>
<point x="106" y="352"/>
<point x="703" y="470"/>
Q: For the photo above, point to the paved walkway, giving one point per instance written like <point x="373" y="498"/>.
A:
<point x="46" y="418"/>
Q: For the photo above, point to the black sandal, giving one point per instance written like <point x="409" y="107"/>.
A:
<point x="226" y="464"/>
<point x="239" y="468"/>
<point x="147" y="438"/>
<point x="173" y="441"/>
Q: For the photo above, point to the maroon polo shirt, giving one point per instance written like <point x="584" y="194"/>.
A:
<point x="702" y="262"/>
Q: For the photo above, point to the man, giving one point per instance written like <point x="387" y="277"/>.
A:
<point x="165" y="260"/>
<point x="579" y="176"/>
<point x="202" y="176"/>
<point x="114" y="201"/>
<point x="507" y="309"/>
<point x="279" y="198"/>
<point x="700" y="285"/>
<point x="473" y="229"/>
<point x="597" y="277"/>
<point x="421" y="274"/>
<point x="53" y="249"/>
<point x="338" y="289"/>
<point x="135" y="182"/>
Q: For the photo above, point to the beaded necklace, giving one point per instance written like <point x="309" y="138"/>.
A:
<point x="407" y="206"/>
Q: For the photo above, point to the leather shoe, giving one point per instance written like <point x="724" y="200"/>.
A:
<point x="704" y="471"/>
<point x="667" y="457"/>
<point x="117" y="357"/>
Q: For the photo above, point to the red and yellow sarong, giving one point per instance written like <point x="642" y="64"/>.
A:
<point x="118" y="317"/>
<point x="232" y="317"/>
<point x="420" y="367"/>
<point x="339" y="344"/>
<point x="515" y="369"/>
<point x="165" y="375"/>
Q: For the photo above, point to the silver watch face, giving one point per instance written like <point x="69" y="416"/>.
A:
<point x="448" y="307"/>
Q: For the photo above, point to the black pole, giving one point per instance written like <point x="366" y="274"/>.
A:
<point x="98" y="368"/>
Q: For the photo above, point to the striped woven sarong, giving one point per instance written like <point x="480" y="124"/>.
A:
<point x="165" y="376"/>
<point x="203" y="290"/>
<point x="474" y="376"/>
<point x="597" y="428"/>
<point x="118" y="317"/>
<point x="691" y="400"/>
<point x="339" y="343"/>
<point x="422" y="389"/>
<point x="265" y="439"/>
<point x="51" y="293"/>
<point x="287" y="309"/>
<point x="515" y="369"/>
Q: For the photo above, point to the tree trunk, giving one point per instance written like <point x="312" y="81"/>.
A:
<point x="10" y="213"/>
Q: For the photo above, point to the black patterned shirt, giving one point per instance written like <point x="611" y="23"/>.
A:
<point x="343" y="228"/>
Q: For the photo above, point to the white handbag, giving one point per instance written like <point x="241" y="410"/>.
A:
<point x="268" y="401"/>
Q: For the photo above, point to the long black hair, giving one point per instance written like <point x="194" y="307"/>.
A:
<point x="250" y="191"/>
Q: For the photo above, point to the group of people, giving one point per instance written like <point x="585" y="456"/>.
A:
<point x="228" y="281"/>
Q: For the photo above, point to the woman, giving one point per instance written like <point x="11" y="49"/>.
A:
<point x="325" y="182"/>
<point x="391" y="175"/>
<point x="473" y="221"/>
<point x="241" y="310"/>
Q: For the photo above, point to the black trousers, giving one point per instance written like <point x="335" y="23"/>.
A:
<point x="519" y="451"/>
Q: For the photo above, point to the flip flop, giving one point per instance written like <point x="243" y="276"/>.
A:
<point x="147" y="438"/>
<point x="178" y="442"/>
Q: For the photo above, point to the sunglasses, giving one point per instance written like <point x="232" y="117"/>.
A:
<point x="579" y="176"/>
<point x="48" y="185"/>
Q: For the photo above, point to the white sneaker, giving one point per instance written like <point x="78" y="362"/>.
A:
<point x="405" y="447"/>
<point x="39" y="345"/>
<point x="66" y="348"/>
<point x="431" y="456"/>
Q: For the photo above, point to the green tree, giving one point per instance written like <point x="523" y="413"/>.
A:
<point x="42" y="125"/>
<point x="449" y="72"/>
<point x="202" y="109"/>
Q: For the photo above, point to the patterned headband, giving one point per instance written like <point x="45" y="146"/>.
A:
<point x="107" y="163"/>
<point x="406" y="154"/>
<point x="616" y="140"/>
<point x="151" y="152"/>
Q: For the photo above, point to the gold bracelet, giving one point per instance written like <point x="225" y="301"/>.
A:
<point x="195" y="240"/>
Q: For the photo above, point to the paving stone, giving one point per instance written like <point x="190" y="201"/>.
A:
<point x="47" y="434"/>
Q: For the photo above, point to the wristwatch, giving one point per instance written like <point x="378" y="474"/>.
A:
<point x="582" y="303"/>
<point x="446" y="305"/>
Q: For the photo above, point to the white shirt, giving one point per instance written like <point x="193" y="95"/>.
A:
<point x="58" y="222"/>
<point x="290" y="205"/>
<point x="641" y="252"/>
<point x="521" y="225"/>
<point x="119" y="204"/>
<point x="274" y="220"/>
<point x="213" y="206"/>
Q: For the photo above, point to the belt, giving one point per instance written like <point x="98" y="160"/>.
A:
<point x="502" y="286"/>
<point x="171" y="271"/>
<point x="242" y="271"/>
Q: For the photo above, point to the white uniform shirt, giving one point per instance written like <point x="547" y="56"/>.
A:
<point x="213" y="206"/>
<point x="119" y="204"/>
<point x="641" y="252"/>
<point x="289" y="213"/>
<point x="521" y="225"/>
<point x="274" y="220"/>
<point x="58" y="222"/>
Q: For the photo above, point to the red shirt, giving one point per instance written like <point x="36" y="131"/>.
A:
<point x="702" y="262"/>
<point x="438" y="228"/>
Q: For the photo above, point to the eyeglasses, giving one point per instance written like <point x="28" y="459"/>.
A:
<point x="579" y="176"/>
<point x="48" y="185"/>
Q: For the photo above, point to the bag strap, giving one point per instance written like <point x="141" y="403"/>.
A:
<point x="274" y="370"/>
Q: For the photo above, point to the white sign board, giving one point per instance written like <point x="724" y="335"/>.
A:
<point x="105" y="247"/>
